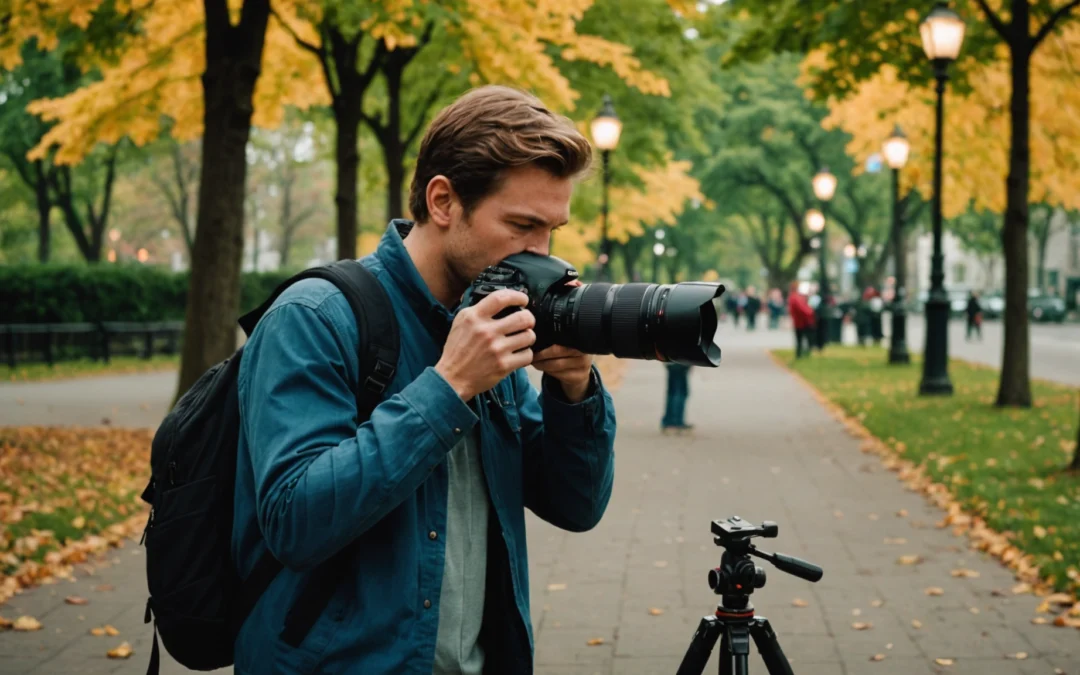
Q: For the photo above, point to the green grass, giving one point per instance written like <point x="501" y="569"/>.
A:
<point x="1005" y="465"/>
<point x="37" y="372"/>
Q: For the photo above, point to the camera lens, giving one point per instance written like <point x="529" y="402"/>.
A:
<point x="670" y="322"/>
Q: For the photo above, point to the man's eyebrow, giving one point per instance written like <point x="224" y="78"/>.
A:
<point x="532" y="219"/>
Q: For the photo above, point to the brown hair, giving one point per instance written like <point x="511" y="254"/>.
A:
<point x="490" y="129"/>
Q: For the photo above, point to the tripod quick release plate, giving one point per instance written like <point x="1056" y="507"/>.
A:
<point x="735" y="528"/>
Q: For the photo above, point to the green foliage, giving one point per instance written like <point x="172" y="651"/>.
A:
<point x="89" y="293"/>
<point x="1002" y="465"/>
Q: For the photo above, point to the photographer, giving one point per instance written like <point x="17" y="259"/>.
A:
<point x="433" y="488"/>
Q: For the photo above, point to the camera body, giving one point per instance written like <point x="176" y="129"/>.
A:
<point x="537" y="276"/>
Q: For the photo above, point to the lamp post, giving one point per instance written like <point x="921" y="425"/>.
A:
<point x="815" y="221"/>
<point x="606" y="129"/>
<point x="824" y="183"/>
<point x="942" y="34"/>
<point x="896" y="150"/>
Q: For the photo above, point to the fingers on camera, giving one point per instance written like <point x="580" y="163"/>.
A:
<point x="501" y="299"/>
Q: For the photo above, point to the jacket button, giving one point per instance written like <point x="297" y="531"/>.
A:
<point x="427" y="604"/>
<point x="457" y="430"/>
<point x="433" y="535"/>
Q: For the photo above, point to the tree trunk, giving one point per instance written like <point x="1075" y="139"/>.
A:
<point x="1015" y="385"/>
<point x="393" y="147"/>
<point x="233" y="58"/>
<point x="44" y="206"/>
<point x="347" y="155"/>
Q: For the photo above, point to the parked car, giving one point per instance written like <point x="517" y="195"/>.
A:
<point x="1046" y="308"/>
<point x="993" y="305"/>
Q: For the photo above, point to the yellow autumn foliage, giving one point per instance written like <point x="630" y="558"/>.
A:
<point x="158" y="73"/>
<point x="977" y="130"/>
<point x="666" y="189"/>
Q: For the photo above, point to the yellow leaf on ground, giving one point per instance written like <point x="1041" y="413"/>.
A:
<point x="799" y="602"/>
<point x="915" y="623"/>
<point x="97" y="632"/>
<point x="1019" y="656"/>
<point x="556" y="587"/>
<point x="121" y="652"/>
<point x="944" y="662"/>
<point x="26" y="623"/>
<point x="877" y="657"/>
<point x="595" y="641"/>
<point x="862" y="625"/>
<point x="910" y="560"/>
<point x="902" y="513"/>
<point x="6" y="624"/>
<point x="1022" y="587"/>
<point x="79" y="522"/>
<point x="965" y="574"/>
<point x="655" y="611"/>
<point x="935" y="591"/>
<point x="75" y="600"/>
<point x="1039" y="531"/>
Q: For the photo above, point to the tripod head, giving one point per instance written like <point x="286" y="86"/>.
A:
<point x="738" y="576"/>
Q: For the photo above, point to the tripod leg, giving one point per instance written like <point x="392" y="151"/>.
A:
<point x="739" y="635"/>
<point x="725" y="655"/>
<point x="701" y="646"/>
<point x="769" y="646"/>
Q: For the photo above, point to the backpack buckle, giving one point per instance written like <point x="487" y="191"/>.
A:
<point x="380" y="377"/>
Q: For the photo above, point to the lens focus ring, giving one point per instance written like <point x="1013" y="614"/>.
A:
<point x="626" y="317"/>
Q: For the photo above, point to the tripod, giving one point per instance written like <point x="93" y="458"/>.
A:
<point x="735" y="622"/>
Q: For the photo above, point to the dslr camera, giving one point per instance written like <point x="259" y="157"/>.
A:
<point x="661" y="322"/>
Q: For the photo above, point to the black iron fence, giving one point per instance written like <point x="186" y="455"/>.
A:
<point x="52" y="342"/>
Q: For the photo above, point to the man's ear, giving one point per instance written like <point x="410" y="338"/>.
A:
<point x="441" y="201"/>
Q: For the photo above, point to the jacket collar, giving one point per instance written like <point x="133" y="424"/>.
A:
<point x="399" y="264"/>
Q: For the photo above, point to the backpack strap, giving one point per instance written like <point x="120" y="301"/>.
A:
<point x="379" y="341"/>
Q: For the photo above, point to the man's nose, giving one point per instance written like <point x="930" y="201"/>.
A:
<point x="540" y="244"/>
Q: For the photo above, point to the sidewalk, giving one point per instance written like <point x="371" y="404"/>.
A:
<point x="762" y="449"/>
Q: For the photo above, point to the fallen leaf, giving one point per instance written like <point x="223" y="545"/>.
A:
<point x="915" y="623"/>
<point x="902" y="513"/>
<point x="595" y="641"/>
<point x="965" y="574"/>
<point x="1040" y="620"/>
<point x="799" y="602"/>
<point x="121" y="652"/>
<point x="1040" y="531"/>
<point x="973" y="610"/>
<point x="97" y="632"/>
<point x="26" y="623"/>
<point x="1019" y="656"/>
<point x="556" y="587"/>
<point x="79" y="522"/>
<point x="935" y="591"/>
<point x="109" y="630"/>
<point x="1022" y="587"/>
<point x="1059" y="599"/>
<point x="104" y="587"/>
<point x="76" y="600"/>
<point x="877" y="603"/>
<point x="1066" y="622"/>
<point x="856" y="612"/>
<point x="910" y="560"/>
<point x="6" y="624"/>
<point x="944" y="662"/>
<point x="655" y="611"/>
<point x="862" y="625"/>
<point x="877" y="657"/>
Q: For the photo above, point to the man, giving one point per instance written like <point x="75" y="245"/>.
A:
<point x="678" y="391"/>
<point x="974" y="316"/>
<point x="753" y="308"/>
<point x="433" y="488"/>
<point x="802" y="319"/>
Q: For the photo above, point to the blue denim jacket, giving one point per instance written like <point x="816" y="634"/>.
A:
<point x="310" y="481"/>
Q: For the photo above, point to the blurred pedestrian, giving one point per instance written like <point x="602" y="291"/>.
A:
<point x="802" y="319"/>
<point x="753" y="308"/>
<point x="678" y="390"/>
<point x="732" y="304"/>
<point x="776" y="308"/>
<point x="974" y="316"/>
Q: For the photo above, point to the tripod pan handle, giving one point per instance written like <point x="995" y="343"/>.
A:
<point x="800" y="568"/>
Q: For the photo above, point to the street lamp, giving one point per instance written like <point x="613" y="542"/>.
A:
<point x="658" y="250"/>
<point x="606" y="129"/>
<point x="824" y="183"/>
<point x="942" y="34"/>
<point x="896" y="151"/>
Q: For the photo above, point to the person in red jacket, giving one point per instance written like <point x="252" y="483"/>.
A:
<point x="802" y="318"/>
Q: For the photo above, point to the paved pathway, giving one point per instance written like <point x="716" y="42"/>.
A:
<point x="762" y="449"/>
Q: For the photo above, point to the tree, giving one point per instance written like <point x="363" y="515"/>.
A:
<point x="859" y="39"/>
<point x="174" y="172"/>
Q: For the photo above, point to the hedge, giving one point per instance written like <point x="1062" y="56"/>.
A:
<point x="53" y="293"/>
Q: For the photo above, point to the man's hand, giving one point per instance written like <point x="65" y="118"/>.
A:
<point x="481" y="350"/>
<point x="571" y="368"/>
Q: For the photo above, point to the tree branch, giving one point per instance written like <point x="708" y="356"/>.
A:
<point x="994" y="20"/>
<point x="1057" y="16"/>
<point x="422" y="110"/>
<point x="317" y="51"/>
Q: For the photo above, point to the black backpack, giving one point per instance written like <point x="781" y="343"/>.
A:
<point x="197" y="601"/>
